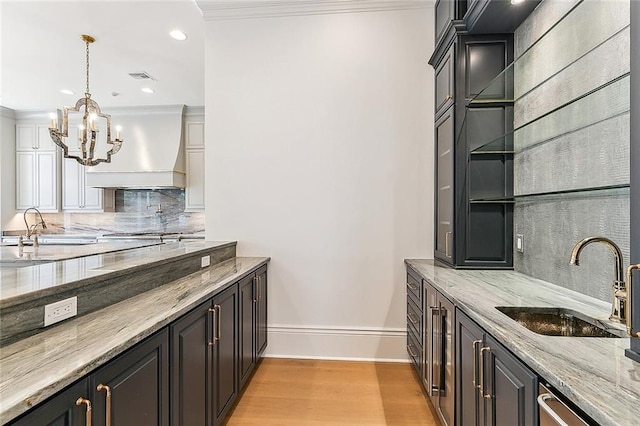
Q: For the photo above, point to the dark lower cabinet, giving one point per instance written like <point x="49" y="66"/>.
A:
<point x="493" y="386"/>
<point x="61" y="410"/>
<point x="131" y="390"/>
<point x="261" y="315"/>
<point x="191" y="368"/>
<point x="225" y="351"/>
<point x="248" y="300"/>
<point x="253" y="321"/>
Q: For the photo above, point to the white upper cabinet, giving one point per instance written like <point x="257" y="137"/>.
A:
<point x="77" y="196"/>
<point x="33" y="137"/>
<point x="37" y="169"/>
<point x="194" y="191"/>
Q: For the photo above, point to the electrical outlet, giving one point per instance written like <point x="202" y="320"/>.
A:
<point x="520" y="243"/>
<point x="58" y="311"/>
<point x="205" y="261"/>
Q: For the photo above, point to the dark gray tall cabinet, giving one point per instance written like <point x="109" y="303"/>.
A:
<point x="473" y="152"/>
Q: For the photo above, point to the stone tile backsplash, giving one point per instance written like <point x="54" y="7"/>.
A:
<point x="159" y="211"/>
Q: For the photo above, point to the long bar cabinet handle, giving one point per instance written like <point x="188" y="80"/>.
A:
<point x="629" y="301"/>
<point x="542" y="402"/>
<point x="255" y="297"/>
<point x="446" y="243"/>
<point x="218" y="321"/>
<point x="85" y="401"/>
<point x="100" y="388"/>
<point x="412" y="287"/>
<point x="481" y="388"/>
<point x="475" y="363"/>
<point x="212" y="311"/>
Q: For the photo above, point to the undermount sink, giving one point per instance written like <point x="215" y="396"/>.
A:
<point x="558" y="322"/>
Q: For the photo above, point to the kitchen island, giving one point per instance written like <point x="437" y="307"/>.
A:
<point x="591" y="372"/>
<point x="34" y="368"/>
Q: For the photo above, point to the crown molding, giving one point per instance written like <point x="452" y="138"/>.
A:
<point x="214" y="10"/>
<point x="7" y="112"/>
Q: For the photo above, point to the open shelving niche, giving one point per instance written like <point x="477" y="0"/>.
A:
<point x="504" y="147"/>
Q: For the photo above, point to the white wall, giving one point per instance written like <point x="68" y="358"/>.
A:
<point x="319" y="153"/>
<point x="7" y="166"/>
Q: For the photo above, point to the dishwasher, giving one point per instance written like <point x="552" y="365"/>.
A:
<point x="553" y="412"/>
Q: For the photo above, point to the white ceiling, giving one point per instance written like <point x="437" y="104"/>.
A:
<point x="42" y="53"/>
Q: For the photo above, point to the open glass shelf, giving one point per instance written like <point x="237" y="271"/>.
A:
<point x="500" y="91"/>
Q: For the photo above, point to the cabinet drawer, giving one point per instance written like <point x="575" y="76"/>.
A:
<point x="414" y="349"/>
<point x="414" y="319"/>
<point x="414" y="286"/>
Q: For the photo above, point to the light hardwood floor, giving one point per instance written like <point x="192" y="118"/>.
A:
<point x="311" y="392"/>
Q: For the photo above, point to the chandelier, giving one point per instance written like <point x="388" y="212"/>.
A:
<point x="88" y="130"/>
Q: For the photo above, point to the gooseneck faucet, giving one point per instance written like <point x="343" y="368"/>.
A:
<point x="31" y="230"/>
<point x="619" y="301"/>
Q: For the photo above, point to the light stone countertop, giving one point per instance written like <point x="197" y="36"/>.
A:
<point x="20" y="284"/>
<point x="592" y="372"/>
<point x="35" y="368"/>
<point x="53" y="252"/>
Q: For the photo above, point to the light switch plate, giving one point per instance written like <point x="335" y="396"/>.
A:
<point x="205" y="261"/>
<point x="520" y="243"/>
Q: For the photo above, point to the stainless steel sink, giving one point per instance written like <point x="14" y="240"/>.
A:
<point x="558" y="322"/>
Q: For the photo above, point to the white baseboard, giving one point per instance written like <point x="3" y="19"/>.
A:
<point x="337" y="343"/>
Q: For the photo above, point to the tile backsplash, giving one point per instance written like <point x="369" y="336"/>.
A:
<point x="141" y="210"/>
<point x="571" y="162"/>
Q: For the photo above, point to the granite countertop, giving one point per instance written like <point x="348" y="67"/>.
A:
<point x="35" y="368"/>
<point x="17" y="285"/>
<point x="592" y="372"/>
<point x="51" y="252"/>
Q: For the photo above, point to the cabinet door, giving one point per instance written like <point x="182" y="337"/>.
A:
<point x="469" y="339"/>
<point x="512" y="387"/>
<point x="25" y="180"/>
<point x="72" y="184"/>
<point x="445" y="13"/>
<point x="261" y="315"/>
<point x="191" y="368"/>
<point x="61" y="410"/>
<point x="92" y="197"/>
<point x="430" y="312"/>
<point x="139" y="385"/>
<point x="444" y="147"/>
<point x="444" y="77"/>
<point x="26" y="137"/>
<point x="194" y="192"/>
<point x="248" y="302"/>
<point x="225" y="352"/>
<point x="446" y="385"/>
<point x="47" y="180"/>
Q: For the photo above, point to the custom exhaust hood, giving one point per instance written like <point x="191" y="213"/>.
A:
<point x="152" y="155"/>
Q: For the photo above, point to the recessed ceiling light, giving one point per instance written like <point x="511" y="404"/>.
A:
<point x="147" y="90"/>
<point x="67" y="92"/>
<point x="516" y="1"/>
<point x="178" y="35"/>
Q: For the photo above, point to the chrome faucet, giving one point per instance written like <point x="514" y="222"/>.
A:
<point x="31" y="229"/>
<point x="619" y="291"/>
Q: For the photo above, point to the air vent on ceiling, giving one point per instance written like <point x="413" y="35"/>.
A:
<point x="141" y="76"/>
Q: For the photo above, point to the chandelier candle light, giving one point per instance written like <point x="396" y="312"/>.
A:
<point x="87" y="130"/>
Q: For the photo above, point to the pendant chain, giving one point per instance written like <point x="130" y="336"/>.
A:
<point x="87" y="92"/>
